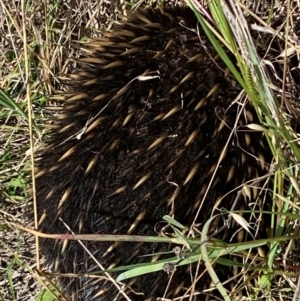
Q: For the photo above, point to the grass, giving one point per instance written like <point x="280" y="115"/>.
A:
<point x="275" y="121"/>
<point x="35" y="53"/>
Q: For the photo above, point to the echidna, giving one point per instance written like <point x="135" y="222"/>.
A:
<point x="149" y="120"/>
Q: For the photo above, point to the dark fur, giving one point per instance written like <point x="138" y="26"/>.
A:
<point x="121" y="153"/>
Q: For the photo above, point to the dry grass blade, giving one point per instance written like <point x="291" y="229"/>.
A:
<point x="41" y="41"/>
<point x="35" y="44"/>
<point x="260" y="86"/>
